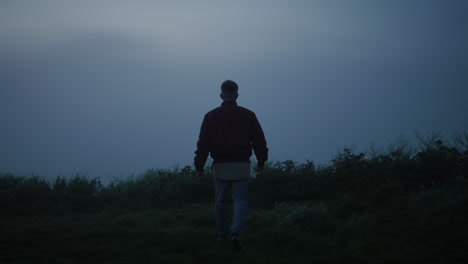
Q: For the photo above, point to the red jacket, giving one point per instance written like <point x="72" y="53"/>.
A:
<point x="229" y="133"/>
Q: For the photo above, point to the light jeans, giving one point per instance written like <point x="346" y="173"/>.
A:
<point x="227" y="192"/>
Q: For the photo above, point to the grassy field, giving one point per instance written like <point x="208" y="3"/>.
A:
<point x="286" y="234"/>
<point x="396" y="206"/>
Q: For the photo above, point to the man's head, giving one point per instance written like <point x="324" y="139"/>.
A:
<point x="229" y="91"/>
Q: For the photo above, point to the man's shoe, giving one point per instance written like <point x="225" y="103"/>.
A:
<point x="237" y="242"/>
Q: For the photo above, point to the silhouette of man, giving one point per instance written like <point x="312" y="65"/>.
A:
<point x="229" y="133"/>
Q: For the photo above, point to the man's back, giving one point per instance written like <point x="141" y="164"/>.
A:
<point x="229" y="133"/>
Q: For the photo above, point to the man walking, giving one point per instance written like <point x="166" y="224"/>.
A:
<point x="229" y="133"/>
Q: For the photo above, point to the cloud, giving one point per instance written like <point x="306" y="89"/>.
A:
<point x="119" y="86"/>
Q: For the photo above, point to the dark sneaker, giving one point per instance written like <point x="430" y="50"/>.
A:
<point x="237" y="242"/>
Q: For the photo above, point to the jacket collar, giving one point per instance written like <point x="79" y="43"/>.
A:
<point x="229" y="103"/>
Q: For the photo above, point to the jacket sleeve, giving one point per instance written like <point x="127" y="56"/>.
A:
<point x="203" y="149"/>
<point x="259" y="143"/>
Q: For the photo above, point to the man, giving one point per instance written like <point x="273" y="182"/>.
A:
<point x="229" y="133"/>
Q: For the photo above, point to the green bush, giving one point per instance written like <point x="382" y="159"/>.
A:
<point x="395" y="205"/>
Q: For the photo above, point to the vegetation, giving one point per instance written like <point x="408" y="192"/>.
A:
<point x="393" y="205"/>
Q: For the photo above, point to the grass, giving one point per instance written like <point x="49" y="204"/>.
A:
<point x="392" y="207"/>
<point x="170" y="235"/>
<point x="285" y="233"/>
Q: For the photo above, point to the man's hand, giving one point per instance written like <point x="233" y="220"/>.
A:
<point x="201" y="175"/>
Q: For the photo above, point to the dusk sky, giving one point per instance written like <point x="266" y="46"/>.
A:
<point x="111" y="88"/>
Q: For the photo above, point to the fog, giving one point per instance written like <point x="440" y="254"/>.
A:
<point x="113" y="88"/>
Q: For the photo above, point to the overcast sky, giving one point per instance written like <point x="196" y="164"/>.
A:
<point x="110" y="88"/>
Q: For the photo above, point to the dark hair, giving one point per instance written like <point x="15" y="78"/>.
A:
<point x="229" y="87"/>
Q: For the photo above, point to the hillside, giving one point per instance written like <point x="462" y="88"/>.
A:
<point x="394" y="205"/>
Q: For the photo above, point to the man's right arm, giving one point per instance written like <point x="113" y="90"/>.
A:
<point x="259" y="144"/>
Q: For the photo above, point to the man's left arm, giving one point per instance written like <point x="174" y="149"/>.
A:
<point x="202" y="152"/>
